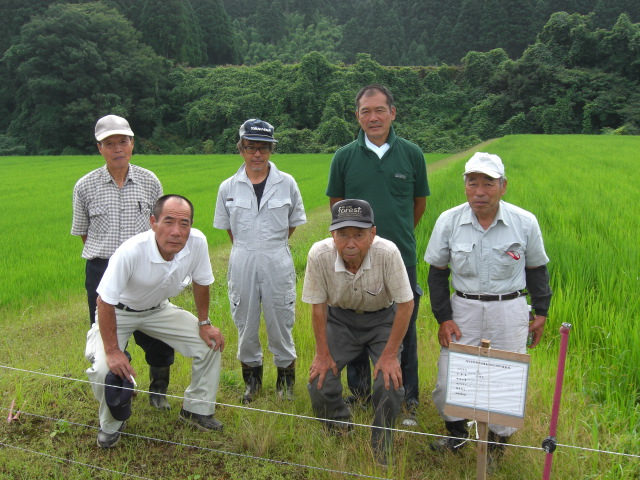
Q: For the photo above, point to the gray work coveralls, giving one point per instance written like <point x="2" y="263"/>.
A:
<point x="261" y="270"/>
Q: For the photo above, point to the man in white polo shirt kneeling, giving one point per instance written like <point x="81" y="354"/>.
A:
<point x="142" y="274"/>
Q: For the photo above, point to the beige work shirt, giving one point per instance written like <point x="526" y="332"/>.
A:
<point x="381" y="280"/>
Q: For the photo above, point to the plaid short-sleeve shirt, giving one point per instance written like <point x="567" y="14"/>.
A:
<point x="109" y="215"/>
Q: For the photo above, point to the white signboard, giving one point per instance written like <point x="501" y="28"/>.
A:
<point x="487" y="385"/>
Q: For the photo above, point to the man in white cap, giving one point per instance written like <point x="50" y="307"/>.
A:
<point x="110" y="205"/>
<point x="260" y="207"/>
<point x="493" y="251"/>
<point x="362" y="302"/>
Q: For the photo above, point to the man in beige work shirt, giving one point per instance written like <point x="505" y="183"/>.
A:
<point x="362" y="301"/>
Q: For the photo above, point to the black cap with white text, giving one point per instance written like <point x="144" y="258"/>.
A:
<point x="351" y="213"/>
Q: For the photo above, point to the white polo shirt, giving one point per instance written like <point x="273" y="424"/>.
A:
<point x="140" y="278"/>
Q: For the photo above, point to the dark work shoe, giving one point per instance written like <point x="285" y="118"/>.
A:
<point x="201" y="422"/>
<point x="458" y="434"/>
<point x="109" y="440"/>
<point x="159" y="401"/>
<point x="447" y="444"/>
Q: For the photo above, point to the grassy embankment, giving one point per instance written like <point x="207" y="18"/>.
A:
<point x="584" y="193"/>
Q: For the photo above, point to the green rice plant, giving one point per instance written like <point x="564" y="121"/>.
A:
<point x="582" y="194"/>
<point x="582" y="190"/>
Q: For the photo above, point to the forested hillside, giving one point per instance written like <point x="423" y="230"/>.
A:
<point x="393" y="32"/>
<point x="404" y="32"/>
<point x="481" y="69"/>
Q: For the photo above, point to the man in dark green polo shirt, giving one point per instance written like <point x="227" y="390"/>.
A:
<point x="390" y="173"/>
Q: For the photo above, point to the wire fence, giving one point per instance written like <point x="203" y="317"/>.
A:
<point x="14" y="413"/>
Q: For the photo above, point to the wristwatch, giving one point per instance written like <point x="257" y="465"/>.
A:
<point x="204" y="322"/>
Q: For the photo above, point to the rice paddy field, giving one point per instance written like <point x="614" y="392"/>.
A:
<point x="584" y="191"/>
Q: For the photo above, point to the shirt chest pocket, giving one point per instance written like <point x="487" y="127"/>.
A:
<point x="279" y="209"/>
<point x="401" y="183"/>
<point x="507" y="259"/>
<point x="98" y="218"/>
<point x="461" y="259"/>
<point x="142" y="212"/>
<point x="240" y="214"/>
<point x="373" y="289"/>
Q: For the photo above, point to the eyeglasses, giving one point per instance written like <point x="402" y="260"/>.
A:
<point x="111" y="145"/>
<point x="252" y="149"/>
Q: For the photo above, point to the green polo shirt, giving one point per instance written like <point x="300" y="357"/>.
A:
<point x="389" y="185"/>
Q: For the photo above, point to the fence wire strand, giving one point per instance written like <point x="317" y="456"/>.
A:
<point x="251" y="457"/>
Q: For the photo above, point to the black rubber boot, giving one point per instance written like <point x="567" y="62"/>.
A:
<point x="252" y="377"/>
<point x="456" y="429"/>
<point x="159" y="377"/>
<point x="285" y="381"/>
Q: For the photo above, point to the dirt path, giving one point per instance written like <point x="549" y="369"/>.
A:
<point x="459" y="155"/>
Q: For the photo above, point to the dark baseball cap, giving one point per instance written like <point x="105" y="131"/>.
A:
<point x="351" y="213"/>
<point x="118" y="398"/>
<point x="257" y="130"/>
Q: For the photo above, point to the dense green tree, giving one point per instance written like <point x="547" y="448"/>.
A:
<point x="466" y="33"/>
<point x="323" y="36"/>
<point x="569" y="38"/>
<point x="172" y="29"/>
<point x="519" y="27"/>
<point x="441" y="40"/>
<point x="308" y="95"/>
<point x="222" y="42"/>
<point x="619" y="48"/>
<point x="269" y="20"/>
<point x="493" y="28"/>
<point x="14" y="14"/>
<point x="377" y="31"/>
<point x="405" y="29"/>
<point x="480" y="68"/>
<point x="74" y="63"/>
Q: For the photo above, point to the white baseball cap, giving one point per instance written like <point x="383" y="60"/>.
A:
<point x="112" y="125"/>
<point x="486" y="163"/>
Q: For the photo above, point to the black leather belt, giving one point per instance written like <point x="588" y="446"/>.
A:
<point x="493" y="298"/>
<point x="122" y="306"/>
<point x="363" y="312"/>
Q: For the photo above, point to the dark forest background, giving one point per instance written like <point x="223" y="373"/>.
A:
<point x="186" y="73"/>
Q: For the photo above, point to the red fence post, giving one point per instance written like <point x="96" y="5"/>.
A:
<point x="549" y="444"/>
